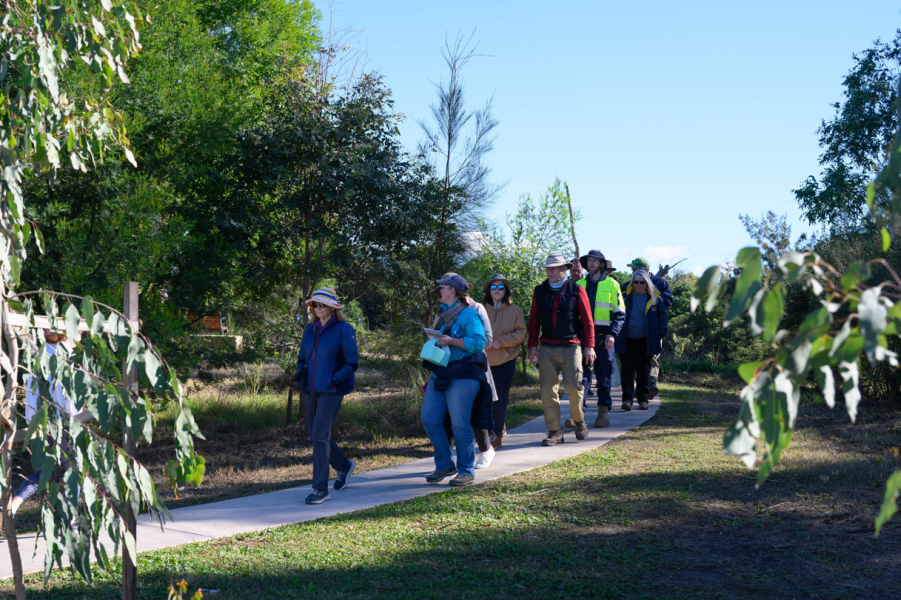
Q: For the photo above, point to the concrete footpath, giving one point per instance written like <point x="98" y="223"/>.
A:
<point x="522" y="451"/>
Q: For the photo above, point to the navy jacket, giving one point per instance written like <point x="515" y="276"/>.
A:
<point x="655" y="321"/>
<point x="327" y="361"/>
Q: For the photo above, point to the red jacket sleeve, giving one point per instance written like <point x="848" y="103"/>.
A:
<point x="535" y="323"/>
<point x="587" y="319"/>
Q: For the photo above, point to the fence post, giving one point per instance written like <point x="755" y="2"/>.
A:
<point x="129" y="569"/>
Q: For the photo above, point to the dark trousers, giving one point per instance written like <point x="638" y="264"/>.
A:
<point x="503" y="379"/>
<point x="603" y="371"/>
<point x="636" y="370"/>
<point x="322" y="409"/>
<point x="482" y="436"/>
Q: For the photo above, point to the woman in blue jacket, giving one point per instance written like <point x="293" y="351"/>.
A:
<point x="641" y="337"/>
<point x="325" y="368"/>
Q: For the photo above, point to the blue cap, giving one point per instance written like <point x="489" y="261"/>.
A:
<point x="456" y="282"/>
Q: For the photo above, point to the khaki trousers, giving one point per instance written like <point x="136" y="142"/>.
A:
<point x="551" y="361"/>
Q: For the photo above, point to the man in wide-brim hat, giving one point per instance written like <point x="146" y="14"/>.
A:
<point x="608" y="311"/>
<point x="560" y="320"/>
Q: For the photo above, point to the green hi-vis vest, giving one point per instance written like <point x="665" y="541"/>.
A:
<point x="607" y="301"/>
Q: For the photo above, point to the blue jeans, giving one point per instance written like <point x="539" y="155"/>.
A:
<point x="603" y="371"/>
<point x="457" y="401"/>
<point x="321" y="412"/>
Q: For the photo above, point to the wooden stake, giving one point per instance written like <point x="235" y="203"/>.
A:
<point x="572" y="219"/>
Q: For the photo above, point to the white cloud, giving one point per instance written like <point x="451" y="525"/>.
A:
<point x="698" y="270"/>
<point x="663" y="255"/>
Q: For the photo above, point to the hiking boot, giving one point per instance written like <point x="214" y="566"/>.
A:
<point x="438" y="475"/>
<point x="553" y="438"/>
<point x="603" y="419"/>
<point x="627" y="405"/>
<point x="652" y="387"/>
<point x="642" y="406"/>
<point x="462" y="480"/>
<point x="343" y="476"/>
<point x="570" y="424"/>
<point x="318" y="497"/>
<point x="581" y="431"/>
<point x="497" y="442"/>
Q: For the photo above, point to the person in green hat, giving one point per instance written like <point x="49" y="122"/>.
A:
<point x="666" y="295"/>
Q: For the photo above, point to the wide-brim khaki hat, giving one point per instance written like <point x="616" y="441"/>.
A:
<point x="556" y="260"/>
<point x="492" y="280"/>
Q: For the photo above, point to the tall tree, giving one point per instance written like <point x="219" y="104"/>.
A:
<point x="855" y="141"/>
<point x="40" y="43"/>
<point x="456" y="144"/>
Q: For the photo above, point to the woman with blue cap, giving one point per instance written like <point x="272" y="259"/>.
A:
<point x="459" y="389"/>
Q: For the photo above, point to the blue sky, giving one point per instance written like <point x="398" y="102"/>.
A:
<point x="666" y="119"/>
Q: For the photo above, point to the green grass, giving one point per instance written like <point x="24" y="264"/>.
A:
<point x="658" y="513"/>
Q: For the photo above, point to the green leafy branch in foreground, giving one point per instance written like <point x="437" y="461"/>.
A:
<point x="100" y="471"/>
<point x="855" y="318"/>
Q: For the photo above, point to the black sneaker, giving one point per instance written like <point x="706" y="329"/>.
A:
<point x="627" y="406"/>
<point x="438" y="475"/>
<point x="462" y="480"/>
<point x="318" y="497"/>
<point x="343" y="476"/>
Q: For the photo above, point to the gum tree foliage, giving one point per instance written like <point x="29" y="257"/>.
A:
<point x="39" y="127"/>
<point x="858" y="311"/>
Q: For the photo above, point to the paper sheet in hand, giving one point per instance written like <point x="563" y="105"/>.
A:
<point x="433" y="334"/>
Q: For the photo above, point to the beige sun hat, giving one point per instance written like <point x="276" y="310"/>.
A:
<point x="556" y="260"/>
<point x="325" y="296"/>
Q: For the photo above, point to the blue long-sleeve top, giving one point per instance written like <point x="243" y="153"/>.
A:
<point x="469" y="328"/>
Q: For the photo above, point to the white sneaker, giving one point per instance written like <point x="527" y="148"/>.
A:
<point x="485" y="459"/>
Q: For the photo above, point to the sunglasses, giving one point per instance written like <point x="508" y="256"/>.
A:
<point x="497" y="287"/>
<point x="315" y="305"/>
<point x="639" y="282"/>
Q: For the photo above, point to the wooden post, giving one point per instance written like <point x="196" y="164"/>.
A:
<point x="290" y="396"/>
<point x="130" y="569"/>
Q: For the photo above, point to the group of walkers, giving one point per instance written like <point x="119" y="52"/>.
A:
<point x="580" y="318"/>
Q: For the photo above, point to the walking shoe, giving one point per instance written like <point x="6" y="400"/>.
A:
<point x="553" y="438"/>
<point x="570" y="424"/>
<point x="642" y="406"/>
<point x="627" y="406"/>
<point x="581" y="431"/>
<point x="462" y="480"/>
<point x="497" y="442"/>
<point x="438" y="475"/>
<point x="603" y="419"/>
<point x="343" y="476"/>
<point x="318" y="497"/>
<point x="486" y="458"/>
<point x="652" y="387"/>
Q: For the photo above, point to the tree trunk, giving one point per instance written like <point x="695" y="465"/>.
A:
<point x="8" y="402"/>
